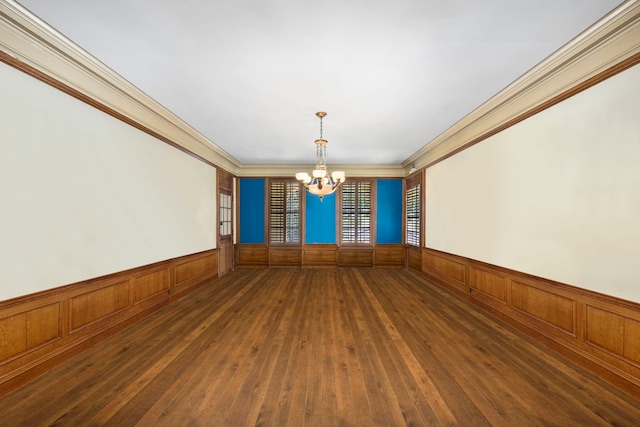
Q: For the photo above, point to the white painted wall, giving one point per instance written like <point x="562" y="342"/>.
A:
<point x="83" y="194"/>
<point x="556" y="196"/>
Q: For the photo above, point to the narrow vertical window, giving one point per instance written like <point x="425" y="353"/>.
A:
<point x="225" y="215"/>
<point x="413" y="214"/>
<point x="356" y="212"/>
<point x="284" y="212"/>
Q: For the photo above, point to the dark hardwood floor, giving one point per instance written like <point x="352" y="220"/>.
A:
<point x="318" y="347"/>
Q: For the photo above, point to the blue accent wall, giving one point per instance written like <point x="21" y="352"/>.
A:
<point x="321" y="212"/>
<point x="252" y="210"/>
<point x="389" y="203"/>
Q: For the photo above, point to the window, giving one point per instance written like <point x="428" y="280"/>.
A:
<point x="225" y="215"/>
<point x="284" y="211"/>
<point x="356" y="223"/>
<point x="413" y="213"/>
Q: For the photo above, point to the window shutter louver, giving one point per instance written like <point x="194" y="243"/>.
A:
<point x="356" y="212"/>
<point x="413" y="215"/>
<point x="284" y="212"/>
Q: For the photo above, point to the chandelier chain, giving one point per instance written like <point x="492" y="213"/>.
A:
<point x="321" y="182"/>
<point x="321" y="152"/>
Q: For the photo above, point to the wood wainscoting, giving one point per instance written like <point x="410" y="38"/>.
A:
<point x="600" y="332"/>
<point x="389" y="256"/>
<point x="38" y="331"/>
<point x="320" y="255"/>
<point x="285" y="256"/>
<point x="414" y="257"/>
<point x="252" y="256"/>
<point x="355" y="257"/>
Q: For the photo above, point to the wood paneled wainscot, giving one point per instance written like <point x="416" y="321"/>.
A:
<point x="600" y="332"/>
<point x="448" y="268"/>
<point x="252" y="256"/>
<point x="285" y="257"/>
<point x="414" y="257"/>
<point x="190" y="272"/>
<point x="389" y="256"/>
<point x="355" y="257"/>
<point x="40" y="330"/>
<point x="320" y="255"/>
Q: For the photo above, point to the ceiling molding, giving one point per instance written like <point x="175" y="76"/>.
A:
<point x="610" y="41"/>
<point x="31" y="41"/>
<point x="352" y="171"/>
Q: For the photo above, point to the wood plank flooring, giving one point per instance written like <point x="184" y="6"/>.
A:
<point x="318" y="347"/>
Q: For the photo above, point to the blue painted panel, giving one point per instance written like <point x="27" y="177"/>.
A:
<point x="321" y="219"/>
<point x="252" y="210"/>
<point x="389" y="205"/>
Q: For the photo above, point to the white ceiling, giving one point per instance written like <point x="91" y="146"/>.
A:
<point x="250" y="75"/>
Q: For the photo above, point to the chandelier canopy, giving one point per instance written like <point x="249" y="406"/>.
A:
<point x="320" y="182"/>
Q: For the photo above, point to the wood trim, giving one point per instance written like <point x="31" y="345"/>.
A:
<point x="446" y="269"/>
<point x="374" y="213"/>
<point x="414" y="257"/>
<point x="301" y="209"/>
<point x="416" y="178"/>
<point x="355" y="257"/>
<point x="599" y="332"/>
<point x="193" y="272"/>
<point x="98" y="305"/>
<point x="320" y="255"/>
<point x="225" y="181"/>
<point x="40" y="330"/>
<point x="252" y="255"/>
<point x="388" y="256"/>
<point x="280" y="256"/>
<point x="225" y="187"/>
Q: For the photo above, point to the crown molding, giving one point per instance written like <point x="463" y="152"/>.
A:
<point x="32" y="42"/>
<point x="612" y="40"/>
<point x="46" y="54"/>
<point x="352" y="171"/>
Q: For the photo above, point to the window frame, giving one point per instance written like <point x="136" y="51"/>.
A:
<point x="288" y="182"/>
<point x="413" y="182"/>
<point x="225" y="216"/>
<point x="372" y="213"/>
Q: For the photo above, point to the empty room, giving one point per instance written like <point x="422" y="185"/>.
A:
<point x="285" y="213"/>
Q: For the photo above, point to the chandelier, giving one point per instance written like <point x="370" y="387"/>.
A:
<point x="320" y="182"/>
